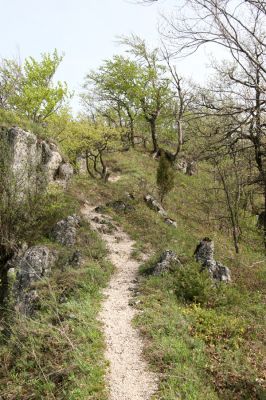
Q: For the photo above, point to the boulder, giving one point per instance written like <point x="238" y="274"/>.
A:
<point x="51" y="160"/>
<point x="120" y="205"/>
<point x="204" y="254"/>
<point x="65" y="231"/>
<point x="65" y="172"/>
<point x="166" y="262"/>
<point x="188" y="167"/>
<point x="34" y="265"/>
<point x="155" y="205"/>
<point x="170" y="221"/>
<point x="32" y="159"/>
<point x="81" y="165"/>
<point x="76" y="259"/>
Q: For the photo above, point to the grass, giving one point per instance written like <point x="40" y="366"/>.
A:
<point x="59" y="353"/>
<point x="206" y="342"/>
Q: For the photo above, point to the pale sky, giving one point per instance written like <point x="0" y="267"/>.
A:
<point x="85" y="30"/>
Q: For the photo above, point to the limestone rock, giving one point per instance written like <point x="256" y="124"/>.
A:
<point x="204" y="254"/>
<point x="76" y="259"/>
<point x="32" y="159"/>
<point x="65" y="172"/>
<point x="166" y="262"/>
<point x="33" y="266"/>
<point x="155" y="205"/>
<point x="170" y="221"/>
<point x="120" y="205"/>
<point x="188" y="167"/>
<point x="65" y="231"/>
<point x="51" y="160"/>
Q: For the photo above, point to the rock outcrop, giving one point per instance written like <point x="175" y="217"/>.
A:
<point x="204" y="254"/>
<point x="188" y="167"/>
<point x="166" y="262"/>
<point x="34" y="265"/>
<point x="65" y="231"/>
<point x="31" y="158"/>
<point x="154" y="205"/>
<point x="65" y="172"/>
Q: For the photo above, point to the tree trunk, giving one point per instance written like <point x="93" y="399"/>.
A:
<point x="132" y="133"/>
<point x="87" y="165"/>
<point x="3" y="285"/>
<point x="152" y="122"/>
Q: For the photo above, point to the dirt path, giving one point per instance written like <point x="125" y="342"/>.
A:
<point x="128" y="377"/>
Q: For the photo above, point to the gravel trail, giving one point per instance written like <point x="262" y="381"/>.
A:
<point x="128" y="377"/>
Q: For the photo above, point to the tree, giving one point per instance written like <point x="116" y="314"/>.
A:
<point x="92" y="139"/>
<point x="29" y="89"/>
<point x="152" y="90"/>
<point x="115" y="89"/>
<point x="239" y="89"/>
<point x="165" y="176"/>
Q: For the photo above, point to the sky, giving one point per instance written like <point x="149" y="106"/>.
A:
<point x="85" y="31"/>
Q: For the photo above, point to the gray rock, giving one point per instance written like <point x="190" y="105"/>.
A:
<point x="166" y="262"/>
<point x="204" y="254"/>
<point x="81" y="165"/>
<point x="188" y="167"/>
<point x="51" y="160"/>
<point x="120" y="205"/>
<point x="170" y="221"/>
<point x="76" y="259"/>
<point x="32" y="159"/>
<point x="155" y="205"/>
<point x="33" y="266"/>
<point x="65" y="172"/>
<point x="65" y="231"/>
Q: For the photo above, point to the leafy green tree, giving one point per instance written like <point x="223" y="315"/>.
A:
<point x="153" y="88"/>
<point x="92" y="139"/>
<point x="29" y="89"/>
<point x="165" y="176"/>
<point x="134" y="88"/>
<point x="115" y="88"/>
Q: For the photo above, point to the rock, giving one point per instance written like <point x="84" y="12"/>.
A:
<point x="170" y="221"/>
<point x="155" y="205"/>
<point x="33" y="161"/>
<point x="204" y="254"/>
<point x="188" y="167"/>
<point x="81" y="165"/>
<point x="51" y="160"/>
<point x="65" y="231"/>
<point x="120" y="205"/>
<point x="130" y="196"/>
<point x="100" y="209"/>
<point x="33" y="266"/>
<point x="166" y="262"/>
<point x="76" y="259"/>
<point x="65" y="172"/>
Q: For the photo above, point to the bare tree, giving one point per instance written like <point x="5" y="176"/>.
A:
<point x="239" y="91"/>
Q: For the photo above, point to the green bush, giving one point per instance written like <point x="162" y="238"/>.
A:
<point x="165" y="177"/>
<point x="192" y="285"/>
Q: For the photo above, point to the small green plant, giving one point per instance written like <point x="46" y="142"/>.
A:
<point x="165" y="176"/>
<point x="194" y="286"/>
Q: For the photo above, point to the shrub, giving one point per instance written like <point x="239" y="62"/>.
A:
<point x="165" y="176"/>
<point x="192" y="285"/>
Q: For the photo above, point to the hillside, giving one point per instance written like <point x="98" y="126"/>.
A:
<point x="203" y="341"/>
<point x="133" y="200"/>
